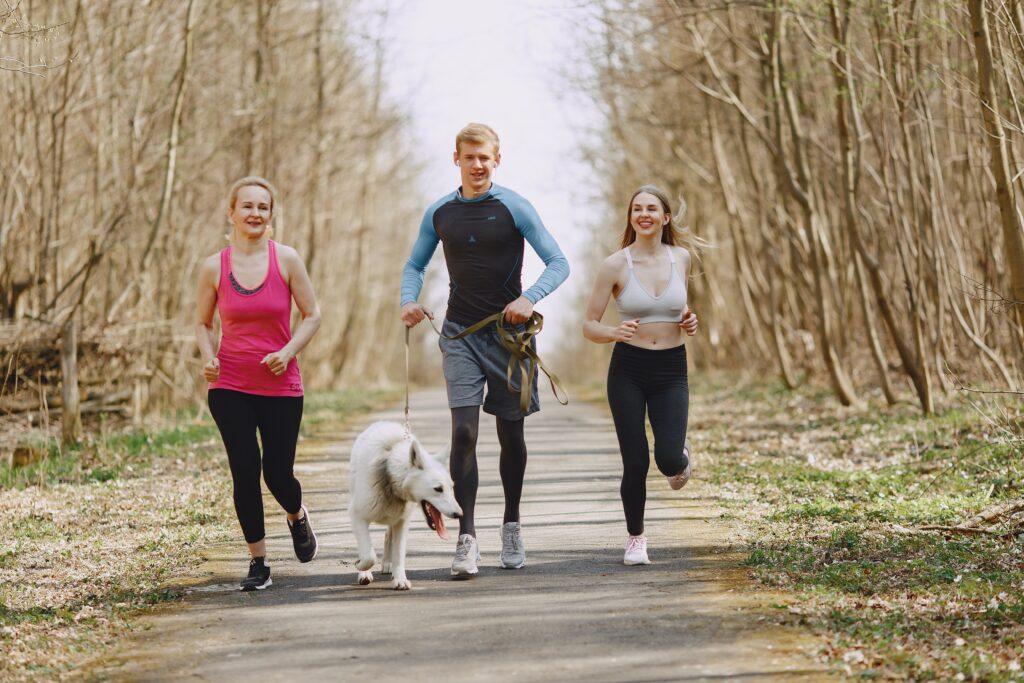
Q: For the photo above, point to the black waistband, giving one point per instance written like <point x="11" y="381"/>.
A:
<point x="624" y="348"/>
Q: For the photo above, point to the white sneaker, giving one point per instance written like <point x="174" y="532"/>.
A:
<point x="513" y="554"/>
<point x="636" y="551"/>
<point x="466" y="555"/>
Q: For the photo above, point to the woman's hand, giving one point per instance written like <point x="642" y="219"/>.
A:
<point x="277" y="362"/>
<point x="625" y="331"/>
<point x="689" y="322"/>
<point x="211" y="371"/>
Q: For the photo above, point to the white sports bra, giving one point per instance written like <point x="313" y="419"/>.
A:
<point x="635" y="303"/>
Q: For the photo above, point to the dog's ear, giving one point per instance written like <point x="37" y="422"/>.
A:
<point x="415" y="457"/>
<point x="445" y="454"/>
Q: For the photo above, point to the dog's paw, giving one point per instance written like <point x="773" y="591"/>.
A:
<point x="385" y="567"/>
<point x="365" y="578"/>
<point x="401" y="584"/>
<point x="366" y="563"/>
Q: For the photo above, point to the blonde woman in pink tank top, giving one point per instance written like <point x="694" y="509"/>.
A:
<point x="254" y="381"/>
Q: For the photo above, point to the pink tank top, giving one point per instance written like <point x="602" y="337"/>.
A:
<point x="254" y="322"/>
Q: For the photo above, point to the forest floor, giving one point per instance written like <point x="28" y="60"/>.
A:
<point x="835" y="506"/>
<point x="91" y="539"/>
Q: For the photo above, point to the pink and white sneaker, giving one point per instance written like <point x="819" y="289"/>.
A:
<point x="678" y="481"/>
<point x="636" y="551"/>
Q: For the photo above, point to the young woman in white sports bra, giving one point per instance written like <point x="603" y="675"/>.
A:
<point x="647" y="373"/>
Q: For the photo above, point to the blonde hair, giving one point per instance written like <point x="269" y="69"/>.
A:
<point x="251" y="181"/>
<point x="478" y="133"/>
<point x="679" y="236"/>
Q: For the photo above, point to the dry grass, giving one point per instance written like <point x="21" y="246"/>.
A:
<point x="79" y="560"/>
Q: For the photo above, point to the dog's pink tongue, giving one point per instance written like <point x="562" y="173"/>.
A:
<point x="438" y="519"/>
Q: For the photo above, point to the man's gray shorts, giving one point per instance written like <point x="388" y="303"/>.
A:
<point x="478" y="359"/>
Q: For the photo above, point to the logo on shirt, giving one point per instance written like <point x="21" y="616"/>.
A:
<point x="492" y="218"/>
<point x="472" y="239"/>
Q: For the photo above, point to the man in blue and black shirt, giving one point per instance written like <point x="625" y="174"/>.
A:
<point x="482" y="227"/>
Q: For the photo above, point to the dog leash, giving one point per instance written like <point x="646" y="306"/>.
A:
<point x="408" y="427"/>
<point x="521" y="356"/>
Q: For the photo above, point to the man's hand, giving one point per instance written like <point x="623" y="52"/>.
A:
<point x="689" y="322"/>
<point x="211" y="371"/>
<point x="277" y="362"/>
<point x="519" y="311"/>
<point x="413" y="313"/>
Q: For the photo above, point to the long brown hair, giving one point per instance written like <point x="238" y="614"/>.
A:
<point x="670" y="233"/>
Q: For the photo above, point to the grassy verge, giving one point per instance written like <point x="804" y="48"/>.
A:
<point x="92" y="537"/>
<point x="833" y="502"/>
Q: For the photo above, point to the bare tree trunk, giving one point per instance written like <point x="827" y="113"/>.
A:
<point x="1013" y="236"/>
<point x="877" y="353"/>
<point x="727" y="187"/>
<point x="170" y="162"/>
<point x="846" y="101"/>
<point x="349" y="337"/>
<point x="174" y="134"/>
<point x="316" y="172"/>
<point x="71" y="421"/>
<point x="778" y="300"/>
<point x="799" y="188"/>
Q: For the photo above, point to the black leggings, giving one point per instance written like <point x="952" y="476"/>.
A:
<point x="238" y="415"/>
<point x="654" y="380"/>
<point x="511" y="465"/>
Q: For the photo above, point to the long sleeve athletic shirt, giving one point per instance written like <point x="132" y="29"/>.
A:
<point x="483" y="248"/>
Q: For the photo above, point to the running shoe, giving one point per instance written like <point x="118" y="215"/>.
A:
<point x="303" y="538"/>
<point x="678" y="481"/>
<point x="466" y="555"/>
<point x="259" y="575"/>
<point x="513" y="554"/>
<point x="636" y="551"/>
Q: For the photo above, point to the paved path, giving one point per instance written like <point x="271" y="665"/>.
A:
<point x="573" y="613"/>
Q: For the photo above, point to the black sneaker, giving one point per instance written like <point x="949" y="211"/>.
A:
<point x="259" y="575"/>
<point x="303" y="538"/>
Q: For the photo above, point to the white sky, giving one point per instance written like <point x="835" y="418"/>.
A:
<point x="500" y="62"/>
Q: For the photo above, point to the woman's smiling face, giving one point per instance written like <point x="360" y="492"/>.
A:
<point x="647" y="215"/>
<point x="251" y="213"/>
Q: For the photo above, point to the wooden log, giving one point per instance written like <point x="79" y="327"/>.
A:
<point x="111" y="403"/>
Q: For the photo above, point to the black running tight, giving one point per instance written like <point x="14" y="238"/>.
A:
<point x="238" y="416"/>
<point x="512" y="464"/>
<point x="651" y="381"/>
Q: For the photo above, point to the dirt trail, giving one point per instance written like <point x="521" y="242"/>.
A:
<point x="573" y="613"/>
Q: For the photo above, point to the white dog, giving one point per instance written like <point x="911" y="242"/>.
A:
<point x="389" y="472"/>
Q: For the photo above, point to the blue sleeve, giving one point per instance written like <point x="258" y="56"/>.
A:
<point x="422" y="250"/>
<point x="529" y="224"/>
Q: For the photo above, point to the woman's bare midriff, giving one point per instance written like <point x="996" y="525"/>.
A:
<point x="658" y="336"/>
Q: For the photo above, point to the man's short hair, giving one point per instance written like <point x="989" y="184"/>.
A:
<point x="478" y="133"/>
